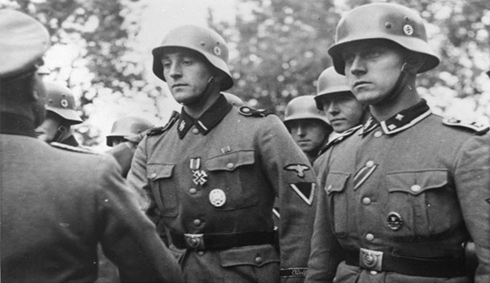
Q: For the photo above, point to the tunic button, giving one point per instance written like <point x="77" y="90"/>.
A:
<point x="195" y="131"/>
<point x="373" y="272"/>
<point x="258" y="259"/>
<point x="415" y="188"/>
<point x="370" y="163"/>
<point x="153" y="175"/>
<point x="200" y="252"/>
<point x="230" y="165"/>
<point x="197" y="222"/>
<point x="378" y="134"/>
<point x="192" y="191"/>
<point x="369" y="237"/>
<point x="366" y="200"/>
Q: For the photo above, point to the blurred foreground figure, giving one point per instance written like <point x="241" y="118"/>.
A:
<point x="125" y="135"/>
<point x="307" y="125"/>
<point x="213" y="171"/>
<point x="403" y="194"/>
<point x="58" y="205"/>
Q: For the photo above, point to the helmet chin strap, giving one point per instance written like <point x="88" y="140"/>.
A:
<point x="60" y="132"/>
<point x="400" y="84"/>
<point x="206" y="92"/>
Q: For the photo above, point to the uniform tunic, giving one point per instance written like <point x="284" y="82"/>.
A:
<point x="58" y="205"/>
<point x="219" y="174"/>
<point x="409" y="186"/>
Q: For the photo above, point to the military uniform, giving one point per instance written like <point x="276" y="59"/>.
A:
<point x="56" y="207"/>
<point x="398" y="200"/>
<point x="214" y="180"/>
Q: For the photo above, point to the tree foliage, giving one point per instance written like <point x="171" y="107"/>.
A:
<point x="99" y="38"/>
<point x="281" y="48"/>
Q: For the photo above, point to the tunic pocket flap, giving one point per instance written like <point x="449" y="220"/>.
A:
<point x="230" y="161"/>
<point x="336" y="182"/>
<point x="249" y="255"/>
<point x="159" y="171"/>
<point x="416" y="182"/>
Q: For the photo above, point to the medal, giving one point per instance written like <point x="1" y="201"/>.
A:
<point x="198" y="176"/>
<point x="217" y="197"/>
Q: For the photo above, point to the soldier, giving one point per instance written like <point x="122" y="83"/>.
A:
<point x="307" y="125"/>
<point x="214" y="170"/>
<point x="335" y="98"/>
<point x="60" y="116"/>
<point x="57" y="205"/>
<point x="125" y="135"/>
<point x="402" y="195"/>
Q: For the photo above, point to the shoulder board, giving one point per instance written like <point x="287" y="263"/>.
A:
<point x="247" y="111"/>
<point x="342" y="136"/>
<point x="160" y="130"/>
<point x="72" y="148"/>
<point x="478" y="128"/>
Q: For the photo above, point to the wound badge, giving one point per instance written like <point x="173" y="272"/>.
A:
<point x="64" y="103"/>
<point x="217" y="197"/>
<point x="394" y="221"/>
<point x="407" y="29"/>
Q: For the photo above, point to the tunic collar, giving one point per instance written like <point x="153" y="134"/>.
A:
<point x="206" y="122"/>
<point x="14" y="124"/>
<point x="400" y="121"/>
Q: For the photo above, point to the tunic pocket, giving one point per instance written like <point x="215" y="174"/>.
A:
<point x="163" y="189"/>
<point x="235" y="174"/>
<point x="335" y="187"/>
<point x="250" y="264"/>
<point x="425" y="201"/>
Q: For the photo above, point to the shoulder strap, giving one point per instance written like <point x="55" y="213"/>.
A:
<point x="250" y="112"/>
<point x="477" y="128"/>
<point x="160" y="130"/>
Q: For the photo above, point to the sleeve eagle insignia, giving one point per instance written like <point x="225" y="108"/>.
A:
<point x="298" y="168"/>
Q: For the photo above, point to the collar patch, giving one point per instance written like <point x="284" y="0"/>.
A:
<point x="207" y="120"/>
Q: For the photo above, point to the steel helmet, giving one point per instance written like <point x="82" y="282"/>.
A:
<point x="126" y="127"/>
<point x="330" y="82"/>
<point x="303" y="107"/>
<point x="60" y="100"/>
<point x="387" y="21"/>
<point x="202" y="40"/>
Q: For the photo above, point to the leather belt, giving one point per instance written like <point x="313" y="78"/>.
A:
<point x="379" y="261"/>
<point x="221" y="241"/>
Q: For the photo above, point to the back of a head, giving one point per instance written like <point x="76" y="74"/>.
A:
<point x="24" y="42"/>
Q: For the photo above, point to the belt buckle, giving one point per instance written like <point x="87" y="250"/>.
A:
<point x="194" y="241"/>
<point x="369" y="259"/>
